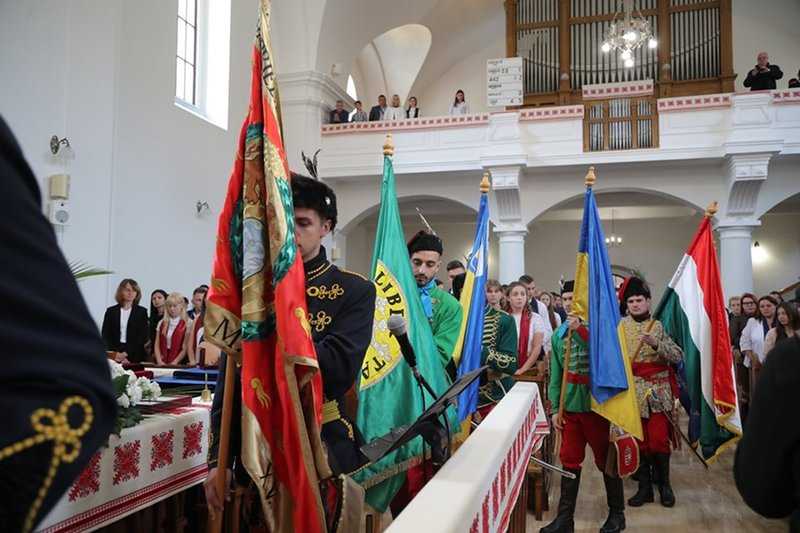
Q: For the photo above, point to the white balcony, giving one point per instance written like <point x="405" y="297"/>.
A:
<point x="689" y="128"/>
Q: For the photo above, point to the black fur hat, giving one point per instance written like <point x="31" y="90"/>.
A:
<point x="425" y="241"/>
<point x="312" y="194"/>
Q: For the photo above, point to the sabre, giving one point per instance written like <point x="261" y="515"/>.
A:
<point x="554" y="468"/>
<point x="652" y="393"/>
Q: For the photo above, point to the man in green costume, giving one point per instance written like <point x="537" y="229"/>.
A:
<point x="442" y="309"/>
<point x="579" y="425"/>
<point x="499" y="352"/>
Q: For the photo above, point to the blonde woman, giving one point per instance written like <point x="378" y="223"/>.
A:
<point x="171" y="338"/>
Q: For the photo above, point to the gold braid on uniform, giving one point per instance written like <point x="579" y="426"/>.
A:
<point x="491" y="325"/>
<point x="51" y="425"/>
<point x="317" y="272"/>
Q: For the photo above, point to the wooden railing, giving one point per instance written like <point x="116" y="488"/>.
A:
<point x="620" y="124"/>
<point x="559" y="41"/>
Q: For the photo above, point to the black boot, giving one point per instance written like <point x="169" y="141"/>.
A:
<point x="615" y="496"/>
<point x="645" y="493"/>
<point x="664" y="488"/>
<point x="564" y="521"/>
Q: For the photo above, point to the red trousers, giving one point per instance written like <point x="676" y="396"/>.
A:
<point x="656" y="434"/>
<point x="580" y="429"/>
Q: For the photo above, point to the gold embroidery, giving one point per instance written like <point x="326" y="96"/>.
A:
<point x="314" y="274"/>
<point x="52" y="425"/>
<point x="301" y="316"/>
<point x="323" y="292"/>
<point x="262" y="397"/>
<point x="321" y="321"/>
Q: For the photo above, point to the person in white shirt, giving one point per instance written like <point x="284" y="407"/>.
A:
<point x="535" y="305"/>
<point x="459" y="106"/>
<point x="753" y="335"/>
<point x="412" y="111"/>
<point x="395" y="112"/>
<point x="530" y="327"/>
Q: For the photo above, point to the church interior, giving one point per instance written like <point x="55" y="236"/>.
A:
<point x="129" y="116"/>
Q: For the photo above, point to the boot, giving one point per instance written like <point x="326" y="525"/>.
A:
<point x="615" y="495"/>
<point x="664" y="488"/>
<point x="645" y="493"/>
<point x="564" y="521"/>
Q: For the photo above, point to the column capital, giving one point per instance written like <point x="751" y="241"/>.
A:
<point x="515" y="233"/>
<point x="746" y="174"/>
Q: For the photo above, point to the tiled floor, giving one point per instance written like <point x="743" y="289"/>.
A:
<point x="707" y="502"/>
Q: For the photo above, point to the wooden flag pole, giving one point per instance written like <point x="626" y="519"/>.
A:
<point x="215" y="519"/>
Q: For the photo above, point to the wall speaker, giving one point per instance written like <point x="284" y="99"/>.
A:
<point x="59" y="213"/>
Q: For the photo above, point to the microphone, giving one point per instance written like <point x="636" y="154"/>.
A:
<point x="397" y="327"/>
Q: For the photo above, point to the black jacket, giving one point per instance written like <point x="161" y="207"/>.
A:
<point x="343" y="115"/>
<point x="763" y="80"/>
<point x="767" y="467"/>
<point x="375" y="113"/>
<point x="52" y="351"/>
<point x="136" y="334"/>
<point x="341" y="309"/>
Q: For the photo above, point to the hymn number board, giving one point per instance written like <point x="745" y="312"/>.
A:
<point x="504" y="82"/>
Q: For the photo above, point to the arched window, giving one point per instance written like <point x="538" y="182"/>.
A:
<point x="351" y="88"/>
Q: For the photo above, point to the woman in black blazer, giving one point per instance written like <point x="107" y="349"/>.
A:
<point x="125" y="324"/>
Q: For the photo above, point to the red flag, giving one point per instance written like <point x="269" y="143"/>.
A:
<point x="256" y="312"/>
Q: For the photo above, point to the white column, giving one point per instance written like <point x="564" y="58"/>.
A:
<point x="511" y="260"/>
<point x="736" y="262"/>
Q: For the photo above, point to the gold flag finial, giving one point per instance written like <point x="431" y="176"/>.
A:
<point x="590" y="177"/>
<point x="712" y="209"/>
<point x="388" y="146"/>
<point x="485" y="186"/>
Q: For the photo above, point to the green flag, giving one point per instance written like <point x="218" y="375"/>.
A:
<point x="389" y="396"/>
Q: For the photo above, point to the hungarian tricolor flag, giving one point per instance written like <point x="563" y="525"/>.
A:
<point x="693" y="314"/>
<point x="256" y="312"/>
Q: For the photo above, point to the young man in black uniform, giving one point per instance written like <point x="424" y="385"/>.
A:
<point x="341" y="307"/>
<point x="54" y="360"/>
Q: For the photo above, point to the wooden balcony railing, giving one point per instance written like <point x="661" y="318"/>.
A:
<point x="620" y="124"/>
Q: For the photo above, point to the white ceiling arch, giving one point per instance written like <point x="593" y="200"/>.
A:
<point x="391" y="62"/>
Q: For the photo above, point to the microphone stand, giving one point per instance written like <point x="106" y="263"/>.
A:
<point x="422" y="382"/>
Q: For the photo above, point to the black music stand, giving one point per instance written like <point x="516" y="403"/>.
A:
<point x="427" y="425"/>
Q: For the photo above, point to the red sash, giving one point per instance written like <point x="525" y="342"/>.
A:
<point x="524" y="335"/>
<point x="647" y="371"/>
<point x="168" y="355"/>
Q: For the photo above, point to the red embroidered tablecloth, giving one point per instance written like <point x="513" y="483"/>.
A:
<point x="163" y="455"/>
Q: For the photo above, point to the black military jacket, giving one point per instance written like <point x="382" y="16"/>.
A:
<point x="53" y="359"/>
<point x="341" y="307"/>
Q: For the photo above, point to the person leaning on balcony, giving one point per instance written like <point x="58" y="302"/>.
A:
<point x="459" y="106"/>
<point x="377" y="112"/>
<point x="763" y="75"/>
<point x="395" y="112"/>
<point x="412" y="111"/>
<point x="360" y="115"/>
<point x="340" y="114"/>
<point x="794" y="83"/>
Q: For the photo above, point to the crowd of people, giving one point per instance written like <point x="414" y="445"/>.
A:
<point x="757" y="325"/>
<point x="395" y="111"/>
<point x="171" y="333"/>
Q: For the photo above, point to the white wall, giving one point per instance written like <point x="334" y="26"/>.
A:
<point x="770" y="26"/>
<point x="777" y="264"/>
<point x="167" y="159"/>
<point x="58" y="64"/>
<point x="102" y="74"/>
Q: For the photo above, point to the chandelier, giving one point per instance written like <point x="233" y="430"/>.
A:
<point x="628" y="32"/>
<point x="613" y="239"/>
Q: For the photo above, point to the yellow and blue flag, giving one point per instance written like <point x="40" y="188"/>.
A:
<point x="595" y="302"/>
<point x="467" y="353"/>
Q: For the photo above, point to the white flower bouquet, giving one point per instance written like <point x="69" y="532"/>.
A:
<point x="130" y="391"/>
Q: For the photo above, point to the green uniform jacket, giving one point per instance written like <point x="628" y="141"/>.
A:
<point x="499" y="351"/>
<point x="577" y="397"/>
<point x="445" y="323"/>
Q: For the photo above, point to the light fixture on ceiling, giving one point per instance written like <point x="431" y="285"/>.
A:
<point x="628" y="32"/>
<point x="613" y="239"/>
